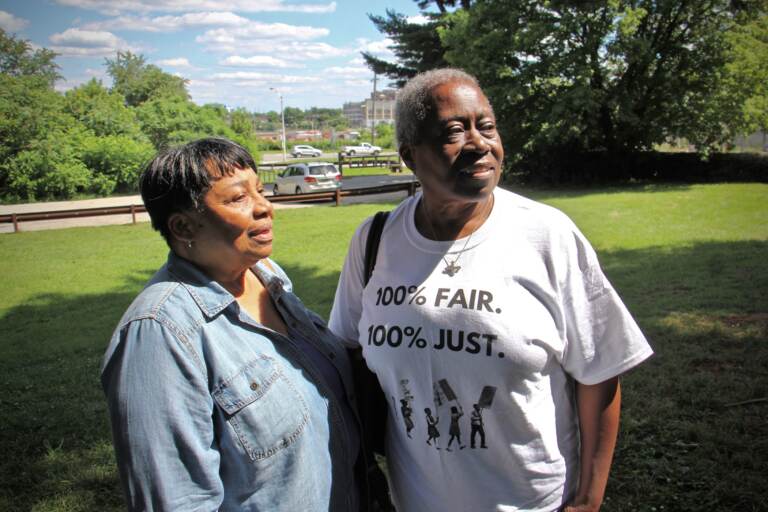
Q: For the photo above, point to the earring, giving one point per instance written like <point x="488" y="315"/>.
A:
<point x="189" y="244"/>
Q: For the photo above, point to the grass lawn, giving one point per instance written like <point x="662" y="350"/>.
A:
<point x="690" y="262"/>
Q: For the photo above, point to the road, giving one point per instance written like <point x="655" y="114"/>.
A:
<point x="348" y="183"/>
<point x="370" y="181"/>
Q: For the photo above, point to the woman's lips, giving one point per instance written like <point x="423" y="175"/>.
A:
<point x="477" y="172"/>
<point x="262" y="235"/>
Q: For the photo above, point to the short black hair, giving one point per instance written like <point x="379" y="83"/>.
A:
<point x="177" y="178"/>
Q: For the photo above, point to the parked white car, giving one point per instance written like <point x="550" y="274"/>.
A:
<point x="304" y="150"/>
<point x="308" y="177"/>
<point x="361" y="149"/>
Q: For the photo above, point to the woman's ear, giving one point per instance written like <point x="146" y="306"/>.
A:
<point x="406" y="153"/>
<point x="182" y="226"/>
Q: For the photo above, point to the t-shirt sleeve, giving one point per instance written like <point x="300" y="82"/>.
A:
<point x="602" y="338"/>
<point x="348" y="302"/>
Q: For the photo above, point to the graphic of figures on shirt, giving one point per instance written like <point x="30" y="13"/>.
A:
<point x="432" y="432"/>
<point x="406" y="409"/>
<point x="476" y="421"/>
<point x="476" y="418"/>
<point x="455" y="430"/>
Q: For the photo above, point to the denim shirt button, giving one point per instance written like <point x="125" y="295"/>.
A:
<point x="254" y="386"/>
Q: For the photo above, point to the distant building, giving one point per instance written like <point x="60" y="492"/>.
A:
<point x="353" y="111"/>
<point x="378" y="110"/>
<point x="275" y="136"/>
<point x="381" y="109"/>
<point x="304" y="135"/>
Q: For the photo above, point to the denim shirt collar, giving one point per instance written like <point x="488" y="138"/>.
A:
<point x="211" y="297"/>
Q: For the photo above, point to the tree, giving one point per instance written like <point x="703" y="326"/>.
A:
<point x="169" y="121"/>
<point x="747" y="72"/>
<point x="613" y="75"/>
<point x="29" y="107"/>
<point x="19" y="59"/>
<point x="139" y="82"/>
<point x="100" y="110"/>
<point x="241" y="122"/>
<point x="417" y="46"/>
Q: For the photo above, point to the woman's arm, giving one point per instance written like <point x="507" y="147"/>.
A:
<point x="160" y="410"/>
<point x="599" y="407"/>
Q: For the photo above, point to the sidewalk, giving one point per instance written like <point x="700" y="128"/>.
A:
<point x="107" y="220"/>
<point x="101" y="220"/>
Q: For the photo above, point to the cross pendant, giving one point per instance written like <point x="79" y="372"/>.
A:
<point x="451" y="269"/>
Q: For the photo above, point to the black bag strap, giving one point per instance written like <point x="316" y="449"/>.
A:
<point x="372" y="244"/>
<point x="372" y="405"/>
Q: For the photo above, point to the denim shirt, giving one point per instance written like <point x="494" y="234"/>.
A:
<point x="213" y="411"/>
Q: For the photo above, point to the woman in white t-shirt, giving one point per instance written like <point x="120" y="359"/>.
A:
<point x="482" y="297"/>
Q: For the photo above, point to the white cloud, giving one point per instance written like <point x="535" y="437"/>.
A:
<point x="179" y="62"/>
<point x="86" y="38"/>
<point x="358" y="83"/>
<point x="419" y="19"/>
<point x="257" y="61"/>
<point x="379" y="48"/>
<point x="169" y="23"/>
<point x="289" y="50"/>
<point x="255" y="30"/>
<point x="75" y="42"/>
<point x="11" y="23"/>
<point x="352" y="72"/>
<point x="249" y="77"/>
<point x="113" y="8"/>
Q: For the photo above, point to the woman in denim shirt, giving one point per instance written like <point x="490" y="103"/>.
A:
<point x="224" y="391"/>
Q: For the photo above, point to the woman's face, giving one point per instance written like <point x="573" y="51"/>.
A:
<point x="459" y="155"/>
<point x="235" y="227"/>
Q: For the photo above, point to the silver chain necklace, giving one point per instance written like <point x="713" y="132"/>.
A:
<point x="451" y="268"/>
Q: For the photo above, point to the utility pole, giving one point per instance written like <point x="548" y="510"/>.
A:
<point x="373" y="116"/>
<point x="282" y="120"/>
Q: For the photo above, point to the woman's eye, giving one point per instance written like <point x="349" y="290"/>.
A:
<point x="239" y="198"/>
<point x="488" y="127"/>
<point x="454" y="132"/>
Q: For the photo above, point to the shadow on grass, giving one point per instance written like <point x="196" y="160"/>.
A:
<point x="55" y="444"/>
<point x="694" y="435"/>
<point x="684" y="444"/>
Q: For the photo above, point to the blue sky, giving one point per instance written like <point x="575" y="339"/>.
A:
<point x="231" y="51"/>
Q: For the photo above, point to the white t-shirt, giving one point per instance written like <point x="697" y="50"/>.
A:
<point x="528" y="311"/>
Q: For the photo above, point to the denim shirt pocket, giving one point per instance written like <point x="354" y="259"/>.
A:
<point x="263" y="407"/>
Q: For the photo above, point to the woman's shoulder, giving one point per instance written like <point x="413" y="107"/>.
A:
<point x="534" y="215"/>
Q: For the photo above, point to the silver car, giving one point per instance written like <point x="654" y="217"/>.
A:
<point x="309" y="177"/>
<point x="303" y="150"/>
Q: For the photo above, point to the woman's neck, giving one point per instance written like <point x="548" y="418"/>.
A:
<point x="450" y="221"/>
<point x="238" y="282"/>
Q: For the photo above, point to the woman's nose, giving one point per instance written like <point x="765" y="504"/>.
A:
<point x="476" y="141"/>
<point x="262" y="206"/>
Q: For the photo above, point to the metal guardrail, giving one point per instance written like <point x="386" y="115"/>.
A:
<point x="133" y="209"/>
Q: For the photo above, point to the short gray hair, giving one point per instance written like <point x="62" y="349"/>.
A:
<point x="414" y="101"/>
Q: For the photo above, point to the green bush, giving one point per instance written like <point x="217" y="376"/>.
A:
<point x="49" y="170"/>
<point x="116" y="162"/>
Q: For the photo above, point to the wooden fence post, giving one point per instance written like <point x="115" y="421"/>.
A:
<point x="337" y="196"/>
<point x="133" y="213"/>
<point x="15" y="223"/>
